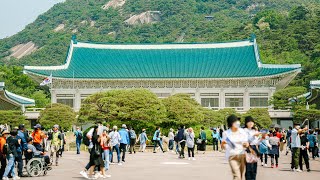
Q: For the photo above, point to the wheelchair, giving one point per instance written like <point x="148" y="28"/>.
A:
<point x="38" y="165"/>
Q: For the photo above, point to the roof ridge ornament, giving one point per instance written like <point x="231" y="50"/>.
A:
<point x="74" y="39"/>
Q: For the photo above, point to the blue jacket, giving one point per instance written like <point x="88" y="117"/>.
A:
<point x="312" y="140"/>
<point x="216" y="136"/>
<point x="124" y="136"/>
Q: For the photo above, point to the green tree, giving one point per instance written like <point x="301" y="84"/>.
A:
<point x="131" y="104"/>
<point x="261" y="117"/>
<point x="289" y="98"/>
<point x="40" y="98"/>
<point x="212" y="118"/>
<point x="182" y="110"/>
<point x="302" y="114"/>
<point x="12" y="118"/>
<point x="59" y="114"/>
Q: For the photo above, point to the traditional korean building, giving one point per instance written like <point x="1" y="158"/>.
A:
<point x="11" y="101"/>
<point x="217" y="75"/>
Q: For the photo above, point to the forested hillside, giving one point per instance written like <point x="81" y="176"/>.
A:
<point x="287" y="31"/>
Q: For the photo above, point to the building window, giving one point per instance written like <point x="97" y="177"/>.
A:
<point x="210" y="102"/>
<point x="68" y="102"/>
<point x="234" y="102"/>
<point x="258" y="102"/>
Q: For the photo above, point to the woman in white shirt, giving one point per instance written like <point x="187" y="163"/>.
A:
<point x="235" y="141"/>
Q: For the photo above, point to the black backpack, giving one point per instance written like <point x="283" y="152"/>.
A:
<point x="79" y="136"/>
<point x="6" y="149"/>
<point x="86" y="140"/>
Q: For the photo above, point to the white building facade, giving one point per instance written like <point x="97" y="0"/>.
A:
<point x="217" y="75"/>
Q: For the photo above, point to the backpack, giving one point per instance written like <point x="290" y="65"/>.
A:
<point x="79" y="136"/>
<point x="86" y="140"/>
<point x="263" y="148"/>
<point x="133" y="135"/>
<point x="6" y="149"/>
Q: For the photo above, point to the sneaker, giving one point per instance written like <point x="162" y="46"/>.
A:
<point x="272" y="166"/>
<point x="120" y="164"/>
<point x="5" y="178"/>
<point x="262" y="164"/>
<point x="189" y="159"/>
<point x="98" y="175"/>
<point x="193" y="159"/>
<point x="84" y="174"/>
<point x="92" y="177"/>
<point x="277" y="166"/>
<point x="106" y="176"/>
<point x="308" y="170"/>
<point x="16" y="178"/>
<point x="298" y="170"/>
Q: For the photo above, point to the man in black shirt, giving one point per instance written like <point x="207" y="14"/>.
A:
<point x="13" y="144"/>
<point x="304" y="151"/>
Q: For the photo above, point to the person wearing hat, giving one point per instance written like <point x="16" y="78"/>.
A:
<point x="251" y="168"/>
<point x="215" y="139"/>
<point x="3" y="160"/>
<point x="235" y="141"/>
<point x="56" y="143"/>
<point x="38" y="137"/>
<point x="124" y="141"/>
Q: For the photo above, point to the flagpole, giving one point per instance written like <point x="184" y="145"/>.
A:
<point x="51" y="88"/>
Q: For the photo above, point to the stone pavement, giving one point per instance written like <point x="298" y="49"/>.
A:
<point x="159" y="166"/>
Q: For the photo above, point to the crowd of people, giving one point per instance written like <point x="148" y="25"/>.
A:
<point x="245" y="146"/>
<point x="18" y="146"/>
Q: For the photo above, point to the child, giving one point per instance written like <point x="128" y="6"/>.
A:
<point x="274" y="151"/>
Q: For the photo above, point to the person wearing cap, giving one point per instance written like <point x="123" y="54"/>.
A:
<point x="38" y="137"/>
<point x="3" y="160"/>
<point x="56" y="143"/>
<point x="251" y="168"/>
<point x="215" y="139"/>
<point x="124" y="141"/>
<point x="235" y="141"/>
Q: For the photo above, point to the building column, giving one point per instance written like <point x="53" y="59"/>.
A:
<point x="53" y="96"/>
<point x="77" y="101"/>
<point x="246" y="100"/>
<point x="222" y="101"/>
<point x="197" y="96"/>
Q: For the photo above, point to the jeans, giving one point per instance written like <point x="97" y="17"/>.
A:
<point x="215" y="145"/>
<point x="182" y="145"/>
<point x="116" y="147"/>
<point x="38" y="147"/>
<point x="157" y="142"/>
<point x="171" y="142"/>
<point x="251" y="171"/>
<point x="295" y="158"/>
<point x="106" y="158"/>
<point x="123" y="148"/>
<point x="304" y="155"/>
<point x="20" y="164"/>
<point x="10" y="166"/>
<point x="313" y="152"/>
<point x="177" y="148"/>
<point x="78" y="144"/>
<point x="3" y="166"/>
<point x="191" y="152"/>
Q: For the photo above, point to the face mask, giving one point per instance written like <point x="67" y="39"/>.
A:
<point x="236" y="124"/>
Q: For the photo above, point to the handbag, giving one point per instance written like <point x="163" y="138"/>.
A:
<point x="251" y="156"/>
<point x="199" y="141"/>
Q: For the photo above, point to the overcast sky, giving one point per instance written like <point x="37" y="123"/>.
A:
<point x="16" y="14"/>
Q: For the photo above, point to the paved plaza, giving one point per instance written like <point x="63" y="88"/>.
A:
<point x="159" y="166"/>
